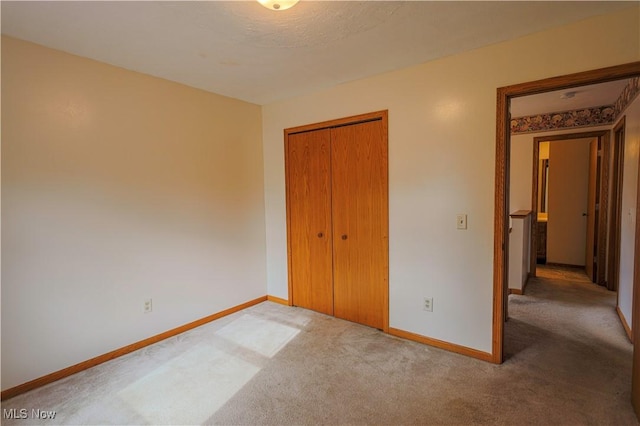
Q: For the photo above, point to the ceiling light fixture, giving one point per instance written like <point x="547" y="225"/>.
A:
<point x="278" y="4"/>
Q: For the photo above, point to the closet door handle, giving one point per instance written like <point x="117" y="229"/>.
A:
<point x="344" y="237"/>
<point x="320" y="235"/>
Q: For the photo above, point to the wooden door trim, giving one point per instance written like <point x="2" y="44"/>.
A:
<point x="602" y="229"/>
<point x="287" y="171"/>
<point x="501" y="194"/>
<point x="603" y="214"/>
<point x="345" y="121"/>
<point x="617" y="176"/>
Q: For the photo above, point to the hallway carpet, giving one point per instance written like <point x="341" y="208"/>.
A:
<point x="568" y="362"/>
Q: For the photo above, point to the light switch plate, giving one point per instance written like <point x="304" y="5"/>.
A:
<point x="462" y="221"/>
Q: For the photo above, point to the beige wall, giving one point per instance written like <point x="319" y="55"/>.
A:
<point x="628" y="211"/>
<point x="568" y="189"/>
<point x="117" y="187"/>
<point x="441" y="162"/>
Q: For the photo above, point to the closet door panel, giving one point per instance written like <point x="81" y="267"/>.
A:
<point x="309" y="209"/>
<point x="360" y="222"/>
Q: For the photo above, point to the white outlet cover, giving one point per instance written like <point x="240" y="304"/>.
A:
<point x="428" y="304"/>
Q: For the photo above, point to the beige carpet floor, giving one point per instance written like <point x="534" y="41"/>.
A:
<point x="568" y="362"/>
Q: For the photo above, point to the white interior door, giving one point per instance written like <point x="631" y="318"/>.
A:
<point x="568" y="193"/>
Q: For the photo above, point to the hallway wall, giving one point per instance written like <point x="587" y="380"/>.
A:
<point x="628" y="222"/>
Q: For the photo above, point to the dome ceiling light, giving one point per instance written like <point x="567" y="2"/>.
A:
<point x="278" y="4"/>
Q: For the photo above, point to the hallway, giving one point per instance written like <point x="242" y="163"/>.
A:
<point x="566" y="331"/>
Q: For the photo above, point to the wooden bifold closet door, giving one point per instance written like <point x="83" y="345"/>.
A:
<point x="337" y="205"/>
<point x="309" y="189"/>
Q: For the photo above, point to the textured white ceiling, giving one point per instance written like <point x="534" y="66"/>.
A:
<point x="243" y="50"/>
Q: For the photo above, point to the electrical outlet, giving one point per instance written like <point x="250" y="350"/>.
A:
<point x="461" y="220"/>
<point x="148" y="306"/>
<point x="428" y="304"/>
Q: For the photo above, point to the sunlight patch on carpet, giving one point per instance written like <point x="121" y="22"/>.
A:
<point x="260" y="335"/>
<point x="190" y="388"/>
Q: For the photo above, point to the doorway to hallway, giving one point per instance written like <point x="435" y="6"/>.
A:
<point x="501" y="243"/>
<point x="502" y="183"/>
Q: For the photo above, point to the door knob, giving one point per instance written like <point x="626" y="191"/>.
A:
<point x="344" y="237"/>
<point x="320" y="235"/>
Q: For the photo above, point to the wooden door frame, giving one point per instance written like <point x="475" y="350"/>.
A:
<point x="501" y="194"/>
<point x="383" y="116"/>
<point x="601" y="232"/>
<point x="617" y="151"/>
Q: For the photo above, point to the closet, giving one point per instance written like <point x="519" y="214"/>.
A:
<point x="337" y="218"/>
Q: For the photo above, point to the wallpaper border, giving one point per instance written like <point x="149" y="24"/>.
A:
<point x="584" y="117"/>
